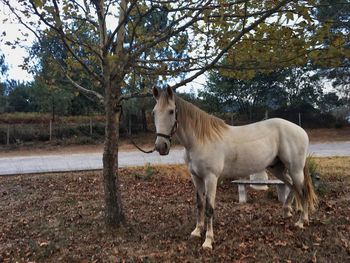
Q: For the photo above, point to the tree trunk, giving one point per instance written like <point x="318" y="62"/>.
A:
<point x="114" y="210"/>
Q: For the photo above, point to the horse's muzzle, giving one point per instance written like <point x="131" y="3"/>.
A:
<point x="162" y="147"/>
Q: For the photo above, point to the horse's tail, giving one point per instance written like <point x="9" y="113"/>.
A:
<point x="308" y="192"/>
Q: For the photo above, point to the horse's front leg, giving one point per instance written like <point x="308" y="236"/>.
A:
<point x="210" y="193"/>
<point x="200" y="193"/>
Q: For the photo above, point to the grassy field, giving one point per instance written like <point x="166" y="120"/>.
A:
<point x="59" y="218"/>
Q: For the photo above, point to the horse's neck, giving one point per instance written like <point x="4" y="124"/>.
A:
<point x="185" y="134"/>
<point x="185" y="137"/>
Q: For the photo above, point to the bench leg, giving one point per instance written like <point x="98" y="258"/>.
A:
<point x="282" y="192"/>
<point x="242" y="194"/>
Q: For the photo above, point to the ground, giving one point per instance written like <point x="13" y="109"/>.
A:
<point x="59" y="217"/>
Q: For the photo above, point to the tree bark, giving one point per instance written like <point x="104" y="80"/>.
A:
<point x="114" y="210"/>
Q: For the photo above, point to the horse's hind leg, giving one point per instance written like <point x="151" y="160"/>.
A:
<point x="200" y="189"/>
<point x="278" y="170"/>
<point x="298" y="185"/>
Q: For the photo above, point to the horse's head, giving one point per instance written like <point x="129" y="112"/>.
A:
<point x="165" y="118"/>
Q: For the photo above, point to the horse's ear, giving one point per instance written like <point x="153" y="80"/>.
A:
<point x="155" y="92"/>
<point x="170" y="92"/>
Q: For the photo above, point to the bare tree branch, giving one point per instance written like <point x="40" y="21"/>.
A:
<point x="120" y="24"/>
<point x="171" y="33"/>
<point x="84" y="90"/>
<point x="128" y="96"/>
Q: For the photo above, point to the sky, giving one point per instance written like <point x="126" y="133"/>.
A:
<point x="13" y="56"/>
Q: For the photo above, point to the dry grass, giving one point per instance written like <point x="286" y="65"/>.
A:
<point x="334" y="166"/>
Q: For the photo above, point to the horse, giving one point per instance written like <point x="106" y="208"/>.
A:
<point x="214" y="149"/>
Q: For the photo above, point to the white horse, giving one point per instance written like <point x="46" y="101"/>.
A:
<point x="215" y="149"/>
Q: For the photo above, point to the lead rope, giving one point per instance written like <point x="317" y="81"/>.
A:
<point x="139" y="148"/>
<point x="173" y="130"/>
<point x="128" y="136"/>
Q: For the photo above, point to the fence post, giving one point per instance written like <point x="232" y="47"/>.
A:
<point x="8" y="135"/>
<point x="50" y="130"/>
<point x="299" y="115"/>
<point x="130" y="126"/>
<point x="90" y="127"/>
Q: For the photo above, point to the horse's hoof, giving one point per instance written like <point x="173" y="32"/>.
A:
<point x="196" y="233"/>
<point x="299" y="224"/>
<point x="288" y="214"/>
<point x="207" y="245"/>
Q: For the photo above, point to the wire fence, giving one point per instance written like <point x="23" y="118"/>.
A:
<point x="81" y="132"/>
<point x="90" y="130"/>
<point x="48" y="131"/>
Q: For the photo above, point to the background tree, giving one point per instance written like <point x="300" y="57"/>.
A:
<point x="266" y="91"/>
<point x="336" y="16"/>
<point x="307" y="35"/>
<point x="18" y="96"/>
<point x="52" y="92"/>
<point x="330" y="101"/>
<point x="3" y="71"/>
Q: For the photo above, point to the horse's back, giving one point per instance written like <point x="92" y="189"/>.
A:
<point x="277" y="136"/>
<point x="289" y="131"/>
<point x="275" y="127"/>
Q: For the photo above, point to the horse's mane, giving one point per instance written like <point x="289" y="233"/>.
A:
<point x="204" y="125"/>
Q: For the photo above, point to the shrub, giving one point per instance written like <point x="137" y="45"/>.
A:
<point x="313" y="171"/>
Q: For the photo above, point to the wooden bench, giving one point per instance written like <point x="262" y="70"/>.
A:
<point x="282" y="188"/>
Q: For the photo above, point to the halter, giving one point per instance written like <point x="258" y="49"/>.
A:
<point x="166" y="136"/>
<point x="173" y="129"/>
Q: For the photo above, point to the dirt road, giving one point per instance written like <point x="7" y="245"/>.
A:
<point x="93" y="160"/>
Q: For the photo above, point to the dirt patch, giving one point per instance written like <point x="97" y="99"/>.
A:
<point x="57" y="147"/>
<point x="329" y="135"/>
<point x="59" y="217"/>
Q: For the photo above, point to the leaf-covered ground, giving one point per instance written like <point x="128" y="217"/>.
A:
<point x="59" y="217"/>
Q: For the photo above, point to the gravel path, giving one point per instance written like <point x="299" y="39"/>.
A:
<point x="93" y="161"/>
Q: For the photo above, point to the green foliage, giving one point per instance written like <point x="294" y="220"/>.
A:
<point x="3" y="65"/>
<point x="147" y="174"/>
<point x="18" y="97"/>
<point x="281" y="88"/>
<point x="330" y="101"/>
<point x="313" y="171"/>
<point x="314" y="32"/>
<point x="50" y="86"/>
<point x="335" y="14"/>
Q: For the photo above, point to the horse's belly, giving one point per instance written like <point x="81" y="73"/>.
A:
<point x="248" y="159"/>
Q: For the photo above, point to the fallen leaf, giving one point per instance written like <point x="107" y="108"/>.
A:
<point x="280" y="243"/>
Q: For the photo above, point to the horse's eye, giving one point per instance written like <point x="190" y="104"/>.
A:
<point x="171" y="112"/>
<point x="152" y="113"/>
